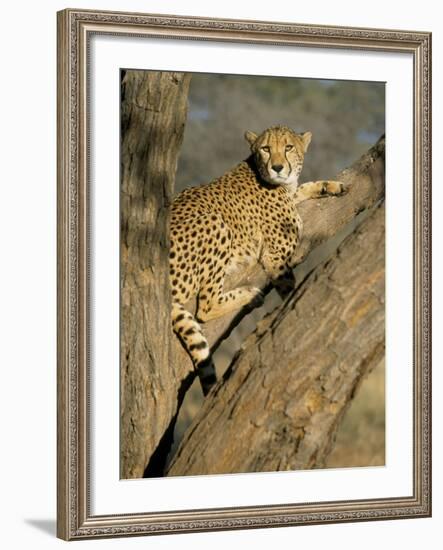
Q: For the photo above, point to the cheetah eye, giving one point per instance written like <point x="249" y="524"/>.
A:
<point x="266" y="149"/>
<point x="289" y="147"/>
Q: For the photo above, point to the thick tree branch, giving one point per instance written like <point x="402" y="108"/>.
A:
<point x="286" y="391"/>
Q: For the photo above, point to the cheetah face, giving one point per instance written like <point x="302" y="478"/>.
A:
<point x="278" y="154"/>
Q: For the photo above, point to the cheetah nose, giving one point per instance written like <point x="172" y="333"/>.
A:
<point x="277" y="168"/>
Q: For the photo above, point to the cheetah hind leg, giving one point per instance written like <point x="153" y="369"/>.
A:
<point x="190" y="334"/>
<point x="227" y="302"/>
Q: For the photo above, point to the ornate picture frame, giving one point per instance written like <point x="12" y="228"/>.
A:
<point x="75" y="518"/>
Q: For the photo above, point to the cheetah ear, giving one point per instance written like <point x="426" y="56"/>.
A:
<point x="306" y="138"/>
<point x="250" y="137"/>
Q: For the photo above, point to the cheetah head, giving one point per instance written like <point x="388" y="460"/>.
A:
<point x="278" y="154"/>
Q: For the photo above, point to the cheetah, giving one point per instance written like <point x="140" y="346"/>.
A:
<point x="248" y="214"/>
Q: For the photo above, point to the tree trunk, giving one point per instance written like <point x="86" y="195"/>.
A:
<point x="285" y="393"/>
<point x="152" y="124"/>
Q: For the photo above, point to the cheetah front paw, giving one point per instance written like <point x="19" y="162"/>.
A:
<point x="335" y="188"/>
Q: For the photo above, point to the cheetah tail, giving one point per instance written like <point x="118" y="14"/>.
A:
<point x="190" y="333"/>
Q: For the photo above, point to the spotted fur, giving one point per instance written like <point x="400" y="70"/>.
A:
<point x="246" y="215"/>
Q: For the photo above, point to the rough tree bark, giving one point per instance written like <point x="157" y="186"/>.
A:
<point x="152" y="124"/>
<point x="285" y="393"/>
<point x="155" y="370"/>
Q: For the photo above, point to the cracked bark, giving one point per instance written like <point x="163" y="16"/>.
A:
<point x="155" y="370"/>
<point x="282" y="398"/>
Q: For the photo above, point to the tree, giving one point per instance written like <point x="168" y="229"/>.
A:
<point x="156" y="371"/>
<point x="152" y="125"/>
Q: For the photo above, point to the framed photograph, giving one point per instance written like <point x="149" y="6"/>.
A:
<point x="243" y="274"/>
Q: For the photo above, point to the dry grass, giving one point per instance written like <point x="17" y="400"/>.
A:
<point x="360" y="439"/>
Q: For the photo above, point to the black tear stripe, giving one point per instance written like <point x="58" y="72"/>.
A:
<point x="289" y="164"/>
